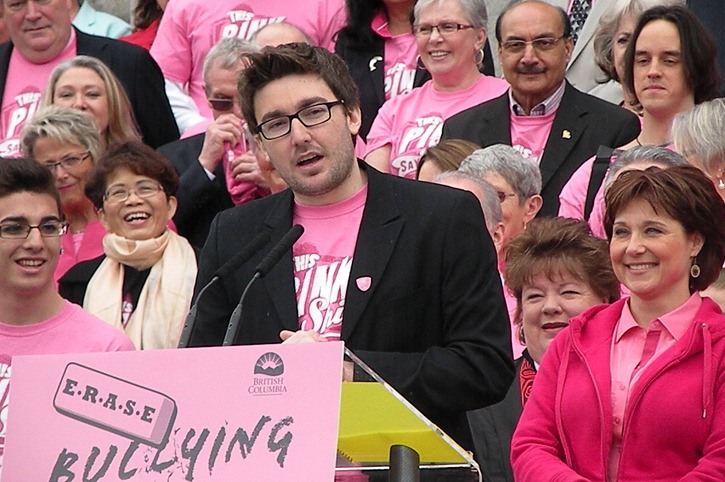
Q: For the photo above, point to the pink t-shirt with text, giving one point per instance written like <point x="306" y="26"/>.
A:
<point x="322" y="262"/>
<point x="24" y="86"/>
<point x="400" y="57"/>
<point x="72" y="330"/>
<point x="530" y="133"/>
<point x="189" y="28"/>
<point x="411" y="123"/>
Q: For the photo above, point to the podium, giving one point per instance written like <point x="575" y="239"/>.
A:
<point x="374" y="417"/>
<point x="267" y="413"/>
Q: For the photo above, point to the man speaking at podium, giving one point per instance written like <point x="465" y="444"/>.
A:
<point x="403" y="271"/>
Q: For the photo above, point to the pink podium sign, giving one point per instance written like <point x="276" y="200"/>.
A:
<point x="261" y="413"/>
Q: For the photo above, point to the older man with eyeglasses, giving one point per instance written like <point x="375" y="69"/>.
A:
<point x="217" y="167"/>
<point x="542" y="115"/>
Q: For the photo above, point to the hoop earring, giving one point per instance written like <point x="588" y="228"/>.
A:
<point x="695" y="269"/>
<point x="482" y="55"/>
<point x="419" y="63"/>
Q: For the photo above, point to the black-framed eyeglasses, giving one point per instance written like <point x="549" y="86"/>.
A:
<point x="222" y="105"/>
<point x="143" y="189"/>
<point x="310" y="116"/>
<point x="68" y="162"/>
<point x="47" y="229"/>
<point x="443" y="29"/>
<point x="541" y="44"/>
<point x="502" y="196"/>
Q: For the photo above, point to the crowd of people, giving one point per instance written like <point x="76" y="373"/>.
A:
<point x="534" y="260"/>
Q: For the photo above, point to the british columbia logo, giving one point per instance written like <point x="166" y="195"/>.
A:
<point x="268" y="380"/>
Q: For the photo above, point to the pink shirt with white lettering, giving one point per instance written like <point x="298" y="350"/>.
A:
<point x="189" y="29"/>
<point x="411" y="123"/>
<point x="322" y="261"/>
<point x="530" y="133"/>
<point x="628" y="345"/>
<point x="401" y="53"/>
<point x="23" y="88"/>
<point x="72" y="330"/>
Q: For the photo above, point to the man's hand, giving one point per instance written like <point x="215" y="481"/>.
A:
<point x="227" y="128"/>
<point x="245" y="168"/>
<point x="300" y="336"/>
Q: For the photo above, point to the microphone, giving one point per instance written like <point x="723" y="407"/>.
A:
<point x="269" y="262"/>
<point x="249" y="250"/>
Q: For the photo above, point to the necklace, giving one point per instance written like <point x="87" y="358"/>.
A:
<point x="666" y="144"/>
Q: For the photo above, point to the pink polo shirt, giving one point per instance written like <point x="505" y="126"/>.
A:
<point x="628" y="348"/>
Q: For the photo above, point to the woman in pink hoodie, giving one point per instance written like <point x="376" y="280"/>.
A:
<point x="636" y="390"/>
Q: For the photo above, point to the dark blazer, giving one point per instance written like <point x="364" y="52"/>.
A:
<point x="581" y="124"/>
<point x="492" y="429"/>
<point x="73" y="284"/>
<point x="140" y="76"/>
<point x="199" y="198"/>
<point x="366" y="67"/>
<point x="433" y="323"/>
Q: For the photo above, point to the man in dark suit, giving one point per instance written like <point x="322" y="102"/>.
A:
<point x="403" y="272"/>
<point x="41" y="37"/>
<point x="199" y="159"/>
<point x="542" y="115"/>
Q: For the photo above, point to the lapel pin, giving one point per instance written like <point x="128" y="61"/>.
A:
<point x="363" y="283"/>
<point x="566" y="134"/>
<point x="373" y="62"/>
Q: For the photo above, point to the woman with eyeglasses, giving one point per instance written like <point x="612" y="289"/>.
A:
<point x="85" y="83"/>
<point x="450" y="36"/>
<point x="67" y="142"/>
<point x="379" y="48"/>
<point x="144" y="280"/>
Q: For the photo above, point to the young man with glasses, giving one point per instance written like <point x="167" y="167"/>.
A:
<point x="404" y="272"/>
<point x="218" y="168"/>
<point x="34" y="319"/>
<point x="542" y="115"/>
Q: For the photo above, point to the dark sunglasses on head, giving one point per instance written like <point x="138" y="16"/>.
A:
<point x="222" y="105"/>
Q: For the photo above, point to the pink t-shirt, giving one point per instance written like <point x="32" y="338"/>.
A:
<point x="189" y="28"/>
<point x="400" y="57"/>
<point x="89" y="247"/>
<point x="530" y="133"/>
<point x="72" y="330"/>
<point x="23" y="88"/>
<point x="627" y="350"/>
<point x="411" y="123"/>
<point x="322" y="261"/>
<point x="574" y="195"/>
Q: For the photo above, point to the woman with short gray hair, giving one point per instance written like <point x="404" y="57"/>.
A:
<point x="67" y="142"/>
